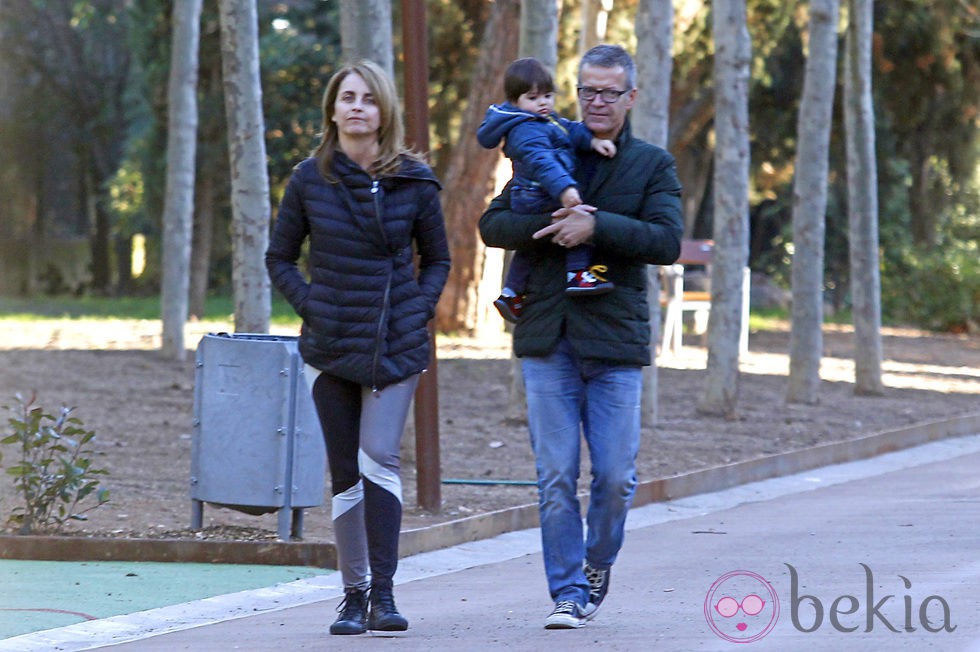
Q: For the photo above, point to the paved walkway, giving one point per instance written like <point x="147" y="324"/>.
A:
<point x="870" y="555"/>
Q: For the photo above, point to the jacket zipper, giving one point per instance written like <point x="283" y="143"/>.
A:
<point x="384" y="302"/>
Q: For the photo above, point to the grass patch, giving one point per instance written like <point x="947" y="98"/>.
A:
<point x="777" y="319"/>
<point x="218" y="308"/>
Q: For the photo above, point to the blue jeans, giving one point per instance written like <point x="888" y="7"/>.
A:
<point x="567" y="396"/>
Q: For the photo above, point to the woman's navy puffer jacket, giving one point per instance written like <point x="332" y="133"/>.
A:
<point x="364" y="308"/>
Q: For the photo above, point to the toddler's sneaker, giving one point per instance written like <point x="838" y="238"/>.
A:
<point x="510" y="307"/>
<point x="588" y="282"/>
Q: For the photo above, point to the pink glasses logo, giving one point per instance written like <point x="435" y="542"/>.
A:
<point x="741" y="607"/>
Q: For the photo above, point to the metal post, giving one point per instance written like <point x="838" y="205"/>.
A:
<point x="415" y="47"/>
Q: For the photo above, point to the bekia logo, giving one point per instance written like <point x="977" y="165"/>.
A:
<point x="742" y="607"/>
<point x="846" y="613"/>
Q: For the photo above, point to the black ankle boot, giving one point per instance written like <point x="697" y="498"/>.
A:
<point x="383" y="615"/>
<point x="353" y="613"/>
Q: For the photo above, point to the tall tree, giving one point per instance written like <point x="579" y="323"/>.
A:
<point x="927" y="61"/>
<point x="211" y="203"/>
<point x="249" y="178"/>
<point x="595" y="18"/>
<point x="862" y="199"/>
<point x="76" y="54"/>
<point x="733" y="54"/>
<point x="651" y="121"/>
<point x="365" y="31"/>
<point x="178" y="211"/>
<point x="539" y="31"/>
<point x="810" y="203"/>
<point x="467" y="180"/>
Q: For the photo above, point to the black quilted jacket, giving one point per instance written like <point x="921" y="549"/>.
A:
<point x="365" y="306"/>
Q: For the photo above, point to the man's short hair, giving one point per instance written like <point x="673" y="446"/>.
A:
<point x="611" y="56"/>
<point x="524" y="75"/>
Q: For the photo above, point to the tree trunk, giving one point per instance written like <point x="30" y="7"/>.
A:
<point x="651" y="120"/>
<point x="922" y="210"/>
<point x="539" y="32"/>
<point x="250" y="201"/>
<point x="101" y="231"/>
<point x="595" y="18"/>
<point x="862" y="200"/>
<point x="365" y="32"/>
<point x="202" y="240"/>
<point x="695" y="166"/>
<point x="178" y="210"/>
<point x="810" y="204"/>
<point x="469" y="178"/>
<point x="123" y="256"/>
<point x="733" y="54"/>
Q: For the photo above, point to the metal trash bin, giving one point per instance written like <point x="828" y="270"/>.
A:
<point x="257" y="443"/>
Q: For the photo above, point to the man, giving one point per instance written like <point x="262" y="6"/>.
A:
<point x="581" y="358"/>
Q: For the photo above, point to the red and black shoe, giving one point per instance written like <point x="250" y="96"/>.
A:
<point x="588" y="282"/>
<point x="510" y="307"/>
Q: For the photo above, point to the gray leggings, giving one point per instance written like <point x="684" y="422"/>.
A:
<point x="363" y="430"/>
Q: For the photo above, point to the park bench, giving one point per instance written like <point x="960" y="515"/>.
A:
<point x="676" y="299"/>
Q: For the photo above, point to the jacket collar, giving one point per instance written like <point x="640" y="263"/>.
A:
<point x="604" y="172"/>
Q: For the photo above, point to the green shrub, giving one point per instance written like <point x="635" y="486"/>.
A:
<point x="936" y="290"/>
<point x="54" y="472"/>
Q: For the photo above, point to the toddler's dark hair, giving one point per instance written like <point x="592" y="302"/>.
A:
<point x="526" y="74"/>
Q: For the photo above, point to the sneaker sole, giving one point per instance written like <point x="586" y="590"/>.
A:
<point x="346" y="630"/>
<point x="588" y="291"/>
<point x="565" y="623"/>
<point x="504" y="311"/>
<point x="388" y="627"/>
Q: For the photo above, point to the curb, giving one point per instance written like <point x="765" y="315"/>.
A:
<point x="66" y="548"/>
<point x="482" y="526"/>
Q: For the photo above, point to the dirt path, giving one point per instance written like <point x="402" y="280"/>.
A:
<point x="141" y="409"/>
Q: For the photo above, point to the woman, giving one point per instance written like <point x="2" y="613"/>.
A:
<point x="362" y="200"/>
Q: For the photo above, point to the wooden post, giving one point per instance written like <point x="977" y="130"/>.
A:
<point x="429" y="477"/>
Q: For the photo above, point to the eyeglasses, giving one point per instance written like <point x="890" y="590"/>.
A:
<point x="608" y="95"/>
<point x="752" y="605"/>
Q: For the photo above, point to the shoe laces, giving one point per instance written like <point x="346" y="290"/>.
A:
<point x="597" y="271"/>
<point x="353" y="602"/>
<point x="566" y="607"/>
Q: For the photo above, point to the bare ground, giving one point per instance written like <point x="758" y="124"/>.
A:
<point x="141" y="406"/>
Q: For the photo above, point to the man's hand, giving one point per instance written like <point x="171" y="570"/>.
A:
<point x="569" y="227"/>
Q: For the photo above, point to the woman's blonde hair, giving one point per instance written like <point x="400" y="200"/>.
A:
<point x="391" y="132"/>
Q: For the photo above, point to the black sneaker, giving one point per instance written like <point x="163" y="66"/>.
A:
<point x="510" y="307"/>
<point x="567" y="614"/>
<point x="598" y="587"/>
<point x="353" y="613"/>
<point x="383" y="615"/>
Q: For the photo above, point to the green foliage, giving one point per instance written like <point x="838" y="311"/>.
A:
<point x="938" y="287"/>
<point x="54" y="106"/>
<point x="299" y="48"/>
<point x="54" y="471"/>
<point x="455" y="32"/>
<point x="218" y="308"/>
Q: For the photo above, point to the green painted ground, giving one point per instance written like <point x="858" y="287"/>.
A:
<point x="38" y="595"/>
